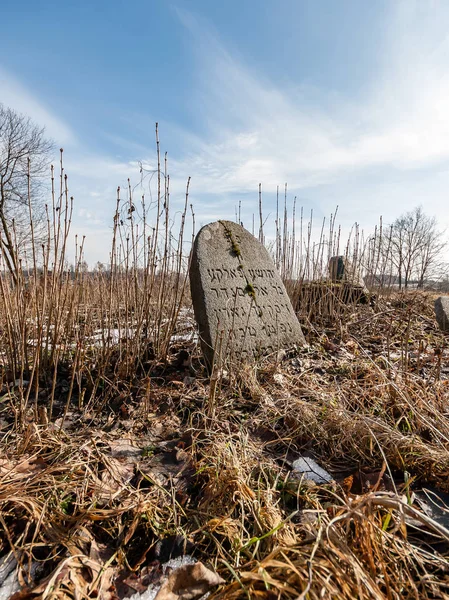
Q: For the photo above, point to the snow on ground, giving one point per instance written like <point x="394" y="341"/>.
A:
<point x="9" y="583"/>
<point x="174" y="563"/>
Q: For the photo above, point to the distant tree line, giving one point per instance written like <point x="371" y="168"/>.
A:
<point x="411" y="250"/>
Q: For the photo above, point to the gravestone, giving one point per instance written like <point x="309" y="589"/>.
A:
<point x="341" y="270"/>
<point x="346" y="275"/>
<point x="240" y="303"/>
<point x="442" y="312"/>
<point x="337" y="268"/>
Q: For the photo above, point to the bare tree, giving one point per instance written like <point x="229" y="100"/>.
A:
<point x="99" y="267"/>
<point x="413" y="247"/>
<point x="24" y="158"/>
<point x="84" y="267"/>
<point x="429" y="261"/>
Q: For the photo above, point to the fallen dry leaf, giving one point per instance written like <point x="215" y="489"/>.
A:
<point x="125" y="449"/>
<point x="188" y="583"/>
<point x="21" y="470"/>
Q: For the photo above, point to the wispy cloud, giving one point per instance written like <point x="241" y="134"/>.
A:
<point x="260" y="133"/>
<point x="92" y="178"/>
<point x="381" y="154"/>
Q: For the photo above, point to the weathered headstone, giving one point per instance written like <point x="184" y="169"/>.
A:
<point x="337" y="268"/>
<point x="346" y="275"/>
<point x="442" y="312"/>
<point x="341" y="270"/>
<point x="240" y="303"/>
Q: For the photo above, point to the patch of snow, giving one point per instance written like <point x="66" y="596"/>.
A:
<point x="9" y="586"/>
<point x="9" y="583"/>
<point x="113" y="336"/>
<point x="7" y="564"/>
<point x="192" y="336"/>
<point x="311" y="470"/>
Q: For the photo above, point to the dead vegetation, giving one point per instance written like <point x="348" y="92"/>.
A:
<point x="99" y="499"/>
<point x="117" y="451"/>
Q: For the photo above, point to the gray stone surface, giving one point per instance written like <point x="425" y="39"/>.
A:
<point x="240" y="303"/>
<point x="442" y="312"/>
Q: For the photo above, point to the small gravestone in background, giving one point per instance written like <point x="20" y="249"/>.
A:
<point x="337" y="268"/>
<point x="341" y="270"/>
<point x="442" y="312"/>
<point x="240" y="303"/>
<point x="345" y="274"/>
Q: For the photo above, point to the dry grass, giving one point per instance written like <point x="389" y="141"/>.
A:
<point x="117" y="450"/>
<point x="106" y="489"/>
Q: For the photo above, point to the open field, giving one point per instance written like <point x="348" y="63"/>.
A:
<point x="118" y="450"/>
<point x="224" y="335"/>
<point x="144" y="454"/>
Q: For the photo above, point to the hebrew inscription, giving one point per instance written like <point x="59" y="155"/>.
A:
<point x="240" y="303"/>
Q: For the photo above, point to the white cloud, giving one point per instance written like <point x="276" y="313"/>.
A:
<point x="259" y="133"/>
<point x="383" y="155"/>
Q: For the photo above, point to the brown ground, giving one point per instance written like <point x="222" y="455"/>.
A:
<point x="172" y="464"/>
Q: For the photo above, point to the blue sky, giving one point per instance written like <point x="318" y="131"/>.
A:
<point x="345" y="101"/>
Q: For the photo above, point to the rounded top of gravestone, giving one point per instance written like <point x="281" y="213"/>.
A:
<point x="240" y="303"/>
